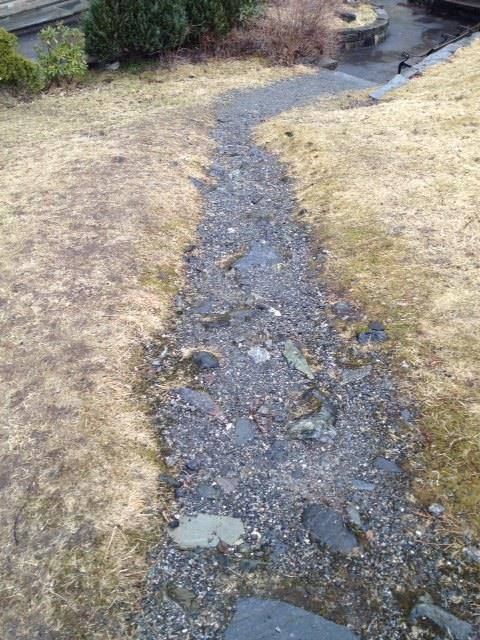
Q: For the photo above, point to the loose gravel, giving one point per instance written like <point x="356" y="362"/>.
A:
<point x="254" y="289"/>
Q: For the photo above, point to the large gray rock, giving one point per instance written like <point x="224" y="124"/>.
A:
<point x="257" y="619"/>
<point x="260" y="255"/>
<point x="456" y="628"/>
<point x="326" y="526"/>
<point x="318" y="426"/>
<point x="204" y="530"/>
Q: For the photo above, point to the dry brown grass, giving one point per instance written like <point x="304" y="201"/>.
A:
<point x="290" y="30"/>
<point x="392" y="192"/>
<point x="96" y="206"/>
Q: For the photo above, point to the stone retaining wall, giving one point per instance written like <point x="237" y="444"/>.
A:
<point x="16" y="15"/>
<point x="368" y="35"/>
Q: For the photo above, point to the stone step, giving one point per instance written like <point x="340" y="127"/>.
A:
<point x="34" y="13"/>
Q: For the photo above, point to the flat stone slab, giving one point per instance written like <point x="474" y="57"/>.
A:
<point x="450" y="624"/>
<point x="257" y="619"/>
<point x="245" y="431"/>
<point x="199" y="400"/>
<point x="389" y="466"/>
<point x="318" y="426"/>
<point x="203" y="530"/>
<point x="295" y="357"/>
<point x="351" y="376"/>
<point x="260" y="255"/>
<point x="326" y="526"/>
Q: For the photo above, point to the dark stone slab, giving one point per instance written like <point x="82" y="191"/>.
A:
<point x="199" y="400"/>
<point x="260" y="255"/>
<point x="383" y="464"/>
<point x="205" y="360"/>
<point x="447" y="622"/>
<point x="257" y="619"/>
<point x="326" y="526"/>
<point x="245" y="431"/>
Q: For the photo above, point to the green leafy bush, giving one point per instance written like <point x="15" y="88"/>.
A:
<point x="61" y="55"/>
<point x="16" y="70"/>
<point x="216" y="17"/>
<point x="117" y="29"/>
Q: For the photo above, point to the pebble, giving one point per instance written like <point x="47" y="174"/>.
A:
<point x="208" y="490"/>
<point x="259" y="355"/>
<point x="389" y="466"/>
<point x="363" y="485"/>
<point x="436" y="509"/>
<point x="227" y="484"/>
<point x="354" y="516"/>
<point x="170" y="481"/>
<point x="205" y="360"/>
<point x="199" y="400"/>
<point x="365" y="337"/>
<point x="326" y="526"/>
<point x="350" y="376"/>
<point x="375" y="325"/>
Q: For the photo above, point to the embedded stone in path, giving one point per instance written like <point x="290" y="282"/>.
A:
<point x="447" y="622"/>
<point x="257" y="619"/>
<point x="318" y="426"/>
<point x="199" y="400"/>
<point x="350" y="376"/>
<point x="326" y="526"/>
<point x="245" y="431"/>
<point x="363" y="485"/>
<point x="259" y="355"/>
<point x="295" y="357"/>
<point x="383" y="464"/>
<point x="260" y="255"/>
<point x="203" y="530"/>
<point x="205" y="360"/>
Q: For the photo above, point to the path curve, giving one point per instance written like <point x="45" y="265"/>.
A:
<point x="301" y="458"/>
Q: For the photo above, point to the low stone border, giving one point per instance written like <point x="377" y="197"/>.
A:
<point x="367" y="36"/>
<point x="433" y="59"/>
<point x="25" y="15"/>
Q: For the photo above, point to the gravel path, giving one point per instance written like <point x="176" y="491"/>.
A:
<point x="298" y="438"/>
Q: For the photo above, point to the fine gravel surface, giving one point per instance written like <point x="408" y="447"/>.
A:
<point x="291" y="440"/>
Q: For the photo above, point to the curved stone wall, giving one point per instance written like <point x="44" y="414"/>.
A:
<point x="368" y="35"/>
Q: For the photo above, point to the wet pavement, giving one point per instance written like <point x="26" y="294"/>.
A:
<point x="412" y="30"/>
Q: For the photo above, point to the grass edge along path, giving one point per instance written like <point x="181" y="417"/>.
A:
<point x="391" y="193"/>
<point x="96" y="208"/>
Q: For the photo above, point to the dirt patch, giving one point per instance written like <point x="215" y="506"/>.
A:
<point x="97" y="205"/>
<point x="392" y="193"/>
